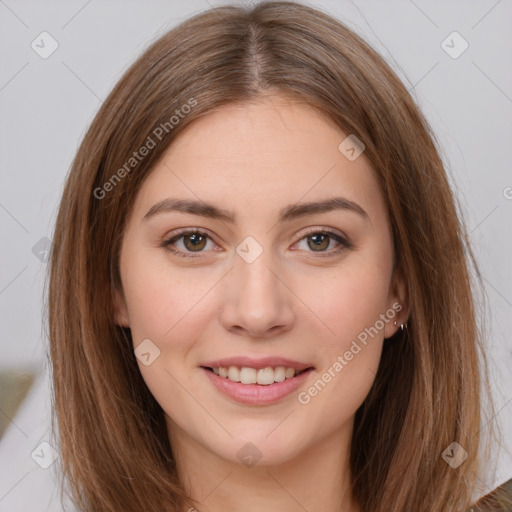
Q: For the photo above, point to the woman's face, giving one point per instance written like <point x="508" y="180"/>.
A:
<point x="276" y="271"/>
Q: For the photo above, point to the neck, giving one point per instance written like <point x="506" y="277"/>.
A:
<point x="315" y="479"/>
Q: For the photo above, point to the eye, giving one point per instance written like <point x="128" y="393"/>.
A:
<point x="193" y="241"/>
<point x="320" y="240"/>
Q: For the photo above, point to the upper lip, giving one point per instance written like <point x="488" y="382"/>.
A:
<point x="263" y="362"/>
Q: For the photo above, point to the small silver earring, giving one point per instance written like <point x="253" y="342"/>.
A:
<point x="394" y="323"/>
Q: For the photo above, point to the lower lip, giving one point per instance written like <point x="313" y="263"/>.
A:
<point x="256" y="394"/>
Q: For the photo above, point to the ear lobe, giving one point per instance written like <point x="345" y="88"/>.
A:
<point x="399" y="303"/>
<point x="121" y="311"/>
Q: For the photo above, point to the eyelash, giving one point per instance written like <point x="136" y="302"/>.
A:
<point x="344" y="243"/>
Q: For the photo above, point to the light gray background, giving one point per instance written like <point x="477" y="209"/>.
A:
<point x="47" y="104"/>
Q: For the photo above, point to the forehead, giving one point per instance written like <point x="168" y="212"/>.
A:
<point x="254" y="156"/>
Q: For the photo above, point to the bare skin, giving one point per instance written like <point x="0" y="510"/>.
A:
<point x="302" y="298"/>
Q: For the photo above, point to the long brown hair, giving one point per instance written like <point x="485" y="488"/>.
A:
<point x="114" y="445"/>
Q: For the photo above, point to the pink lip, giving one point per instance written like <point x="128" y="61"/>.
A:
<point x="249" y="362"/>
<point x="256" y="394"/>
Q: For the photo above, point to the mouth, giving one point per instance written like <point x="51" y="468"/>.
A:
<point x="257" y="376"/>
<point x="256" y="386"/>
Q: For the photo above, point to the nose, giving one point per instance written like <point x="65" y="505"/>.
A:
<point x="257" y="301"/>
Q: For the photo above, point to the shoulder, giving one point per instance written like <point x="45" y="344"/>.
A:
<point x="499" y="500"/>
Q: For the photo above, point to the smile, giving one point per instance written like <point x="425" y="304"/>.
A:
<point x="262" y="376"/>
<point x="262" y="386"/>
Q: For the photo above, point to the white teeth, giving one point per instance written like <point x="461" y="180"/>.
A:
<point x="234" y="374"/>
<point x="280" y="374"/>
<point x="290" y="372"/>
<point x="248" y="376"/>
<point x="262" y="376"/>
<point x="265" y="376"/>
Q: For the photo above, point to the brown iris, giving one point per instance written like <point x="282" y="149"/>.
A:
<point x="319" y="240"/>
<point x="197" y="242"/>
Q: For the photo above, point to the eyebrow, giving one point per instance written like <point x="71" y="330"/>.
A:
<point x="288" y="213"/>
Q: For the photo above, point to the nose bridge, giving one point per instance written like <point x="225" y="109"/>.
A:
<point x="258" y="279"/>
<point x="258" y="301"/>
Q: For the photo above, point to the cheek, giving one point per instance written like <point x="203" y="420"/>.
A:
<point x="161" y="301"/>
<point x="346" y="300"/>
<point x="349" y="351"/>
<point x="170" y="307"/>
<point x="351" y="304"/>
<point x="339" y="389"/>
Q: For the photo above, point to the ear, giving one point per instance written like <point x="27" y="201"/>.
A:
<point x="398" y="303"/>
<point x="121" y="311"/>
